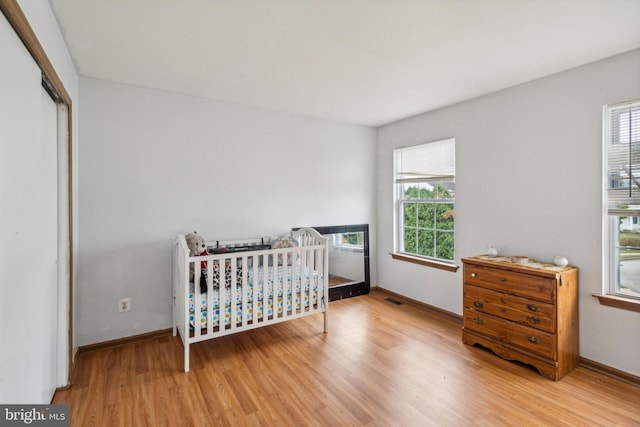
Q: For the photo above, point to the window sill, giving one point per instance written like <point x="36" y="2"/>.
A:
<point x="619" y="302"/>
<point x="423" y="261"/>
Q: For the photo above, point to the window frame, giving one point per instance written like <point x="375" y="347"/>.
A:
<point x="611" y="293"/>
<point x="399" y="187"/>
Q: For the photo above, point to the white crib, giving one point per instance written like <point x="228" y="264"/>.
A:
<point x="247" y="289"/>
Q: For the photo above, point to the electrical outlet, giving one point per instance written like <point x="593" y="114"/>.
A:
<point x="124" y="305"/>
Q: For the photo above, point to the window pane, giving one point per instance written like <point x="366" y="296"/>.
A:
<point x="441" y="191"/>
<point x="629" y="265"/>
<point x="410" y="210"/>
<point x="444" y="216"/>
<point x="425" y="243"/>
<point x="410" y="240"/>
<point x="425" y="215"/>
<point x="623" y="156"/>
<point x="427" y="191"/>
<point x="444" y="245"/>
<point x="410" y="192"/>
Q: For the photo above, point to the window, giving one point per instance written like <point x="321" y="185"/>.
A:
<point x="424" y="177"/>
<point x="622" y="178"/>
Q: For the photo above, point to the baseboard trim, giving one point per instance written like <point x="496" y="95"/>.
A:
<point x="420" y="304"/>
<point x="120" y="342"/>
<point x="73" y="368"/>
<point x="609" y="371"/>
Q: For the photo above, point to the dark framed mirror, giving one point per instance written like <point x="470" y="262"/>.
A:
<point x="348" y="260"/>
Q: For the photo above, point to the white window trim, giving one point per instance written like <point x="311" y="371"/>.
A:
<point x="610" y="296"/>
<point x="397" y="236"/>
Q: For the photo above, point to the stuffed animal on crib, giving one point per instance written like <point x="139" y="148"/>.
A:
<point x="197" y="247"/>
<point x="196" y="244"/>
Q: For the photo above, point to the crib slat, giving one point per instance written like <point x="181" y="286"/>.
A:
<point x="282" y="272"/>
<point x="323" y="277"/>
<point x="222" y="295"/>
<point x="282" y="278"/>
<point x="274" y="285"/>
<point x="317" y="264"/>
<point x="256" y="286"/>
<point x="265" y="289"/>
<point x="294" y="286"/>
<point x="210" y="307"/>
<point x="196" y="299"/>
<point x="244" y="290"/>
<point x="308" y="277"/>
<point x="233" y="279"/>
<point x="311" y="268"/>
<point x="286" y="286"/>
<point x="303" y="279"/>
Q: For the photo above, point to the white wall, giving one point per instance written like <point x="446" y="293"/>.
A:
<point x="154" y="164"/>
<point x="528" y="181"/>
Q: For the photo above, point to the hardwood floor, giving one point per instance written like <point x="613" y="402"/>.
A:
<point x="381" y="364"/>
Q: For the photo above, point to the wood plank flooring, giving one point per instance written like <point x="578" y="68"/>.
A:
<point x="381" y="364"/>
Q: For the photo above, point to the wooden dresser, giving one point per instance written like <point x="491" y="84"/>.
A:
<point x="526" y="312"/>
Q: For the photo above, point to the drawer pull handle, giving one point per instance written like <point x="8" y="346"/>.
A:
<point x="477" y="320"/>
<point x="477" y="303"/>
<point x="532" y="307"/>
<point x="533" y="339"/>
<point x="473" y="274"/>
<point x="504" y="279"/>
<point x="533" y="319"/>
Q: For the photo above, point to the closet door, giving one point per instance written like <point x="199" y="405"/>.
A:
<point x="28" y="227"/>
<point x="48" y="249"/>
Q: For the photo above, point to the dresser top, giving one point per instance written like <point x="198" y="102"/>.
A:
<point x="505" y="262"/>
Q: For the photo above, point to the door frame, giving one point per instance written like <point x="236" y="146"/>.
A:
<point x="16" y="18"/>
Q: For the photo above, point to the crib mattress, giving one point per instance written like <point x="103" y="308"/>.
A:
<point x="283" y="297"/>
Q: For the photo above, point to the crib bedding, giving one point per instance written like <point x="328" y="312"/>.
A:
<point x="280" y="302"/>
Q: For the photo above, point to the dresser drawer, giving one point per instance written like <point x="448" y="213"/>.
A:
<point x="533" y="340"/>
<point x="536" y="314"/>
<point x="525" y="285"/>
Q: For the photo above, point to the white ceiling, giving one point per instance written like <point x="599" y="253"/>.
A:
<point x="366" y="62"/>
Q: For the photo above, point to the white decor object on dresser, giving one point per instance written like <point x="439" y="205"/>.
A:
<point x="560" y="261"/>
